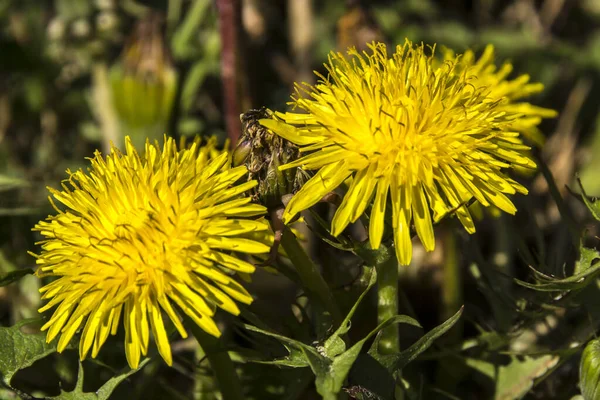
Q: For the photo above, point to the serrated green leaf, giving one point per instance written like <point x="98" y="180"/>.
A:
<point x="335" y="345"/>
<point x="20" y="350"/>
<point x="331" y="370"/>
<point x="586" y="257"/>
<point x="396" y="362"/>
<point x="593" y="205"/>
<point x="330" y="380"/>
<point x="105" y="390"/>
<point x="14" y="276"/>
<point x="296" y="349"/>
<point x="294" y="360"/>
<point x="77" y="393"/>
<point x="574" y="282"/>
<point x="515" y="379"/>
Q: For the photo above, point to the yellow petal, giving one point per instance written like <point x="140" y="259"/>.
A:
<point x="422" y="218"/>
<point x="326" y="180"/>
<point x="341" y="219"/>
<point x="376" y="223"/>
<point x="289" y="132"/>
<point x="159" y="332"/>
<point x="132" y="341"/>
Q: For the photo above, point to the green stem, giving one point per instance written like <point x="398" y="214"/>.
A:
<point x="452" y="287"/>
<point x="312" y="281"/>
<point x="385" y="263"/>
<point x="387" y="303"/>
<point x="221" y="364"/>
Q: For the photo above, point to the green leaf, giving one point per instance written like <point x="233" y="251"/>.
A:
<point x="298" y="350"/>
<point x="330" y="363"/>
<point x="592" y="204"/>
<point x="330" y="380"/>
<point x="20" y="350"/>
<point x="14" y="276"/>
<point x="586" y="257"/>
<point x="589" y="370"/>
<point x="514" y="380"/>
<point x="370" y="256"/>
<point x="192" y="84"/>
<point x="574" y="282"/>
<point x="396" y="362"/>
<point x="184" y="37"/>
<point x="105" y="390"/>
<point x="335" y="345"/>
<point x="77" y="393"/>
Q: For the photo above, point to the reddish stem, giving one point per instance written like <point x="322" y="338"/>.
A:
<point x="228" y="21"/>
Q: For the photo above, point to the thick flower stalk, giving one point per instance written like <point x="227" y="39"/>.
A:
<point x="420" y="131"/>
<point x="142" y="235"/>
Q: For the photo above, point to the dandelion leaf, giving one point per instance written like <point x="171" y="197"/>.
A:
<point x="514" y="380"/>
<point x="20" y="350"/>
<point x="331" y="363"/>
<point x="104" y="392"/>
<point x="399" y="361"/>
<point x="587" y="257"/>
<point x="593" y="203"/>
<point x="584" y="275"/>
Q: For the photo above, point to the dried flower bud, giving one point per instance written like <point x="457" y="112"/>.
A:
<point x="589" y="371"/>
<point x="263" y="153"/>
<point x="144" y="83"/>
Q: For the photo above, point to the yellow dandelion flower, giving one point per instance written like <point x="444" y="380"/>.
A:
<point x="409" y="126"/>
<point x="500" y="87"/>
<point x="141" y="234"/>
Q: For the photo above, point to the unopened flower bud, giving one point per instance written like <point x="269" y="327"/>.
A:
<point x="144" y="83"/>
<point x="589" y="371"/>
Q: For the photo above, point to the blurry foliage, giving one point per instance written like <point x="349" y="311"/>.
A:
<point x="531" y="283"/>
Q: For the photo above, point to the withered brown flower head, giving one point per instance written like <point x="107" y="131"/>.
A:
<point x="263" y="152"/>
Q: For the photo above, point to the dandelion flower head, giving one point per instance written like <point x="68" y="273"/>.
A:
<point x="421" y="131"/>
<point x="512" y="90"/>
<point x="146" y="237"/>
